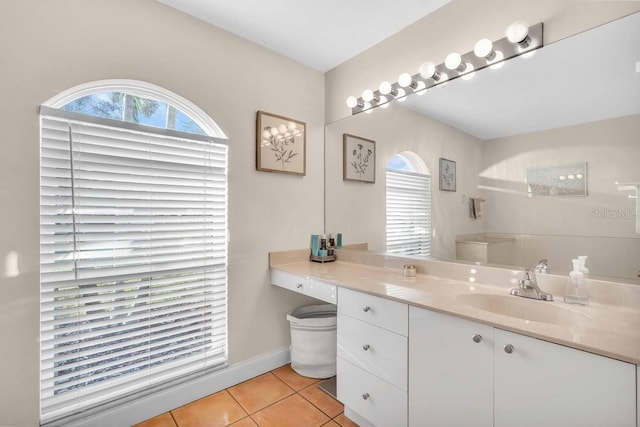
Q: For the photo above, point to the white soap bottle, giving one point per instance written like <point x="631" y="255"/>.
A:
<point x="576" y="292"/>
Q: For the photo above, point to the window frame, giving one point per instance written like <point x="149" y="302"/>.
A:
<point x="53" y="108"/>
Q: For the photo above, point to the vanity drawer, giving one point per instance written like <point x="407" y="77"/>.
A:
<point x="377" y="351"/>
<point x="387" y="314"/>
<point x="318" y="289"/>
<point x="377" y="401"/>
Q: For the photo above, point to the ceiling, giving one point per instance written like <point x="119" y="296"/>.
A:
<point x="318" y="33"/>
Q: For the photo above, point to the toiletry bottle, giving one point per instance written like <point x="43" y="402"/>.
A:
<point x="576" y="292"/>
<point x="582" y="261"/>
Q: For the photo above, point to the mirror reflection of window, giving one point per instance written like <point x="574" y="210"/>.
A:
<point x="408" y="204"/>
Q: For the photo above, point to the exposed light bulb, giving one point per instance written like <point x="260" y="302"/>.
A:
<point x="367" y="95"/>
<point x="453" y="61"/>
<point x="404" y="80"/>
<point x="518" y="32"/>
<point x="352" y="101"/>
<point x="420" y="88"/>
<point x="428" y="71"/>
<point x="484" y="49"/>
<point x="385" y="88"/>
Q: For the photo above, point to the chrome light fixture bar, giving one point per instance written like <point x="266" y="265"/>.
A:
<point x="519" y="40"/>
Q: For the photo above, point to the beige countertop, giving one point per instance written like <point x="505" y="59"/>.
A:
<point x="602" y="329"/>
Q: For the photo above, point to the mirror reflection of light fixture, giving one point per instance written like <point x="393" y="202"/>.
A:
<point x="520" y="40"/>
<point x="401" y="96"/>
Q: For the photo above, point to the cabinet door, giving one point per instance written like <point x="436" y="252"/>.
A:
<point x="451" y="375"/>
<point x="544" y="384"/>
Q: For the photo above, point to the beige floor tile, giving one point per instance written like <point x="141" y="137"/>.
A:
<point x="164" y="420"/>
<point x="344" y="421"/>
<point x="260" y="392"/>
<point x="293" y="379"/>
<point x="219" y="409"/>
<point x="294" y="411"/>
<point x="322" y="400"/>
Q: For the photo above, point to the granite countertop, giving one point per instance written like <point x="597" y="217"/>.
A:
<point x="607" y="330"/>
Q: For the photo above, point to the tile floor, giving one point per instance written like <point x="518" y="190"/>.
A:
<point x="280" y="398"/>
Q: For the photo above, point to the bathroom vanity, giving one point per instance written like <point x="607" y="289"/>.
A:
<point x="437" y="350"/>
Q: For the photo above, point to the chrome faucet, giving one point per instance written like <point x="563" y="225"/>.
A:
<point x="542" y="266"/>
<point x="528" y="288"/>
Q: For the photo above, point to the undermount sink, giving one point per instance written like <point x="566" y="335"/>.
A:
<point x="525" y="309"/>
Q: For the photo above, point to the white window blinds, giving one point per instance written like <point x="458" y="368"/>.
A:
<point x="133" y="259"/>
<point x="408" y="213"/>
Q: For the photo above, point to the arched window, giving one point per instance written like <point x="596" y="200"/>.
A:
<point x="408" y="184"/>
<point x="133" y="244"/>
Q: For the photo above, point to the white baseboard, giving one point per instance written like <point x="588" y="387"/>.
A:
<point x="163" y="401"/>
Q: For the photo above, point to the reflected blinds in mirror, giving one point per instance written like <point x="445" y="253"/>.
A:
<point x="408" y="213"/>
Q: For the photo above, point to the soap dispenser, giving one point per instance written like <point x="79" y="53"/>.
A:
<point x="576" y="292"/>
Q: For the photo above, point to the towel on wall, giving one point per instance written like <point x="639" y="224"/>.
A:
<point x="475" y="208"/>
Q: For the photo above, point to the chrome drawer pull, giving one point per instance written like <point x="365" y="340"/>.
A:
<point x="366" y="308"/>
<point x="365" y="396"/>
<point x="477" y="338"/>
<point x="366" y="347"/>
<point x="509" y="348"/>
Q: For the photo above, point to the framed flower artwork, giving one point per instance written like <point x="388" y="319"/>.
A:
<point x="280" y="144"/>
<point x="359" y="159"/>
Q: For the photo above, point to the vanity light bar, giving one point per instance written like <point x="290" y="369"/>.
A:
<point x="519" y="40"/>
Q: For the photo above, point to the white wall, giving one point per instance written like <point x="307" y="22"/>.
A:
<point x="455" y="28"/>
<point x="50" y="46"/>
<point x="357" y="210"/>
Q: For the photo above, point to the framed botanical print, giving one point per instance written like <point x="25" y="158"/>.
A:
<point x="358" y="159"/>
<point x="280" y="144"/>
<point x="447" y="175"/>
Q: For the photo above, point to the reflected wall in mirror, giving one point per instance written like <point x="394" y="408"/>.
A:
<point x="537" y="112"/>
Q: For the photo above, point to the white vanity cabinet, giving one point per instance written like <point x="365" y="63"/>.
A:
<point x="315" y="288"/>
<point x="540" y="383"/>
<point x="372" y="357"/>
<point x="510" y="380"/>
<point x="451" y="371"/>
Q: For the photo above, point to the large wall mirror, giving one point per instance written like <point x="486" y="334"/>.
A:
<point x="546" y="152"/>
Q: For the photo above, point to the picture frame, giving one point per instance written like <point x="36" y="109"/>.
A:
<point x="281" y="144"/>
<point x="447" y="175"/>
<point x="358" y="159"/>
<point x="570" y="180"/>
